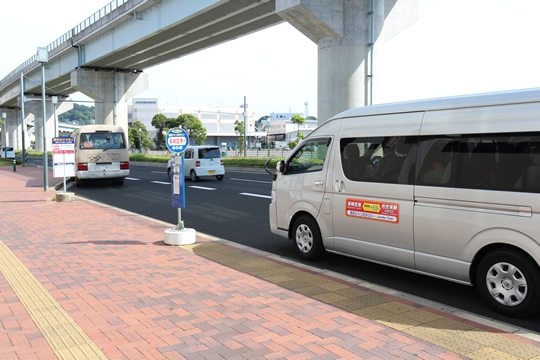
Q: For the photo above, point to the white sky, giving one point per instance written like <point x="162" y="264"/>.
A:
<point x="456" y="47"/>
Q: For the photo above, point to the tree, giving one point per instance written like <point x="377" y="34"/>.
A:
<point x="239" y="130"/>
<point x="138" y="136"/>
<point x="159" y="121"/>
<point x="80" y="113"/>
<point x="193" y="127"/>
<point x="298" y="120"/>
<point x="311" y="118"/>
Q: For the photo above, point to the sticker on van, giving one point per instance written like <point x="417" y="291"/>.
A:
<point x="373" y="210"/>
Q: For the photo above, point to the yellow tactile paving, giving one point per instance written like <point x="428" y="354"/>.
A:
<point x="66" y="339"/>
<point x="460" y="337"/>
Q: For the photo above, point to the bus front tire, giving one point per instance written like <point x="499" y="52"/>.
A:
<point x="306" y="238"/>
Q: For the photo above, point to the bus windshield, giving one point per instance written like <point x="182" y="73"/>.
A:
<point x="102" y="140"/>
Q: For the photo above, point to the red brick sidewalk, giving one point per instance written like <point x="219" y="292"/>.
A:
<point x="112" y="280"/>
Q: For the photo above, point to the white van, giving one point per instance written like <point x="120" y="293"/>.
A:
<point x="201" y="161"/>
<point x="101" y="152"/>
<point x="446" y="187"/>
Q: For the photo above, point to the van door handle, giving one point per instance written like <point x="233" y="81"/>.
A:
<point x="339" y="186"/>
<point x="318" y="183"/>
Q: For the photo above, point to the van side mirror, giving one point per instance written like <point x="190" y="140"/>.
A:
<point x="274" y="176"/>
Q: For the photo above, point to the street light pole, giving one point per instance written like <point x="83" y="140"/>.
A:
<point x="43" y="58"/>
<point x="22" y="121"/>
<point x="245" y="127"/>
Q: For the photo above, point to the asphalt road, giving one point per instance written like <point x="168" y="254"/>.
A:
<point x="236" y="209"/>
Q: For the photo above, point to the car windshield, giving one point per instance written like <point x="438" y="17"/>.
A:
<point x="209" y="153"/>
<point x="102" y="140"/>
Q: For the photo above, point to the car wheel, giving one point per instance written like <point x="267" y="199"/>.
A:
<point x="193" y="176"/>
<point x="509" y="282"/>
<point x="306" y="237"/>
<point x="78" y="182"/>
<point x="118" y="182"/>
<point x="219" y="177"/>
<point x="169" y="173"/>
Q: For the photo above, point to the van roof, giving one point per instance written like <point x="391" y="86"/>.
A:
<point x="443" y="103"/>
<point x="100" y="127"/>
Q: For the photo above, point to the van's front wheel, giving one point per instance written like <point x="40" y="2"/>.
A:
<point x="306" y="237"/>
<point x="509" y="282"/>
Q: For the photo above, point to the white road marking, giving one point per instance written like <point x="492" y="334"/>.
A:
<point x="161" y="182"/>
<point x="257" y="195"/>
<point x="257" y="181"/>
<point x="159" y="172"/>
<point x="129" y="178"/>
<point x="202" y="188"/>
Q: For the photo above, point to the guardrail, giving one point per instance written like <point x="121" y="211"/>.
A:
<point x="250" y="153"/>
<point x="107" y="9"/>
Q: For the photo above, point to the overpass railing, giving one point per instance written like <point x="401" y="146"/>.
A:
<point x="107" y="9"/>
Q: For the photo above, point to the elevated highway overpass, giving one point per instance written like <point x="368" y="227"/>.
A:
<point x="104" y="57"/>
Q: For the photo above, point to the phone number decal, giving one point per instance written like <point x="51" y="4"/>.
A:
<point x="372" y="210"/>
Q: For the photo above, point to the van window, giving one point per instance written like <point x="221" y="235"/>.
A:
<point x="309" y="157"/>
<point x="436" y="160"/>
<point x="188" y="154"/>
<point x="500" y="162"/>
<point x="379" y="159"/>
<point x="209" y="153"/>
<point x="102" y="140"/>
<point x="504" y="162"/>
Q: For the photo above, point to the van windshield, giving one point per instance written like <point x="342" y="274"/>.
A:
<point x="209" y="153"/>
<point x="102" y="140"/>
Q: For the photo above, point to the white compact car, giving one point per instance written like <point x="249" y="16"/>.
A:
<point x="199" y="161"/>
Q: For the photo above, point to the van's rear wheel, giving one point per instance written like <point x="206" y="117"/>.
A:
<point x="509" y="282"/>
<point x="306" y="237"/>
<point x="193" y="176"/>
<point x="219" y="177"/>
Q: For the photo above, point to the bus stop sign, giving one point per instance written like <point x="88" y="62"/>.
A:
<point x="177" y="140"/>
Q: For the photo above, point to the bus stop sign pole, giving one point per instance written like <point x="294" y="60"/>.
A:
<point x="177" y="141"/>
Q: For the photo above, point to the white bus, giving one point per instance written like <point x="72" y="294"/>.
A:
<point x="445" y="187"/>
<point x="101" y="152"/>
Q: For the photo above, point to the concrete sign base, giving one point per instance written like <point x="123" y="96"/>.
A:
<point x="180" y="237"/>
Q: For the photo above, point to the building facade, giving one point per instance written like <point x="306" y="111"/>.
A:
<point x="218" y="121"/>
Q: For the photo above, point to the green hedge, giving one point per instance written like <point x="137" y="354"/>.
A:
<point x="227" y="161"/>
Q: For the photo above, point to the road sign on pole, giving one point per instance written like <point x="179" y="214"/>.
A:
<point x="63" y="157"/>
<point x="177" y="141"/>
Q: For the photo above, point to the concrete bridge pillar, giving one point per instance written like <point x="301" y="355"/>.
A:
<point x="347" y="62"/>
<point x="35" y="106"/>
<point x="13" y="129"/>
<point x="9" y="129"/>
<point x="110" y="90"/>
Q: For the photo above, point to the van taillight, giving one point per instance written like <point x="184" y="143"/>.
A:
<point x="221" y="162"/>
<point x="197" y="163"/>
<point x="124" y="165"/>
<point x="82" y="167"/>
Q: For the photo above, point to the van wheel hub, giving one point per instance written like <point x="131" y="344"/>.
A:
<point x="507" y="284"/>
<point x="304" y="238"/>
